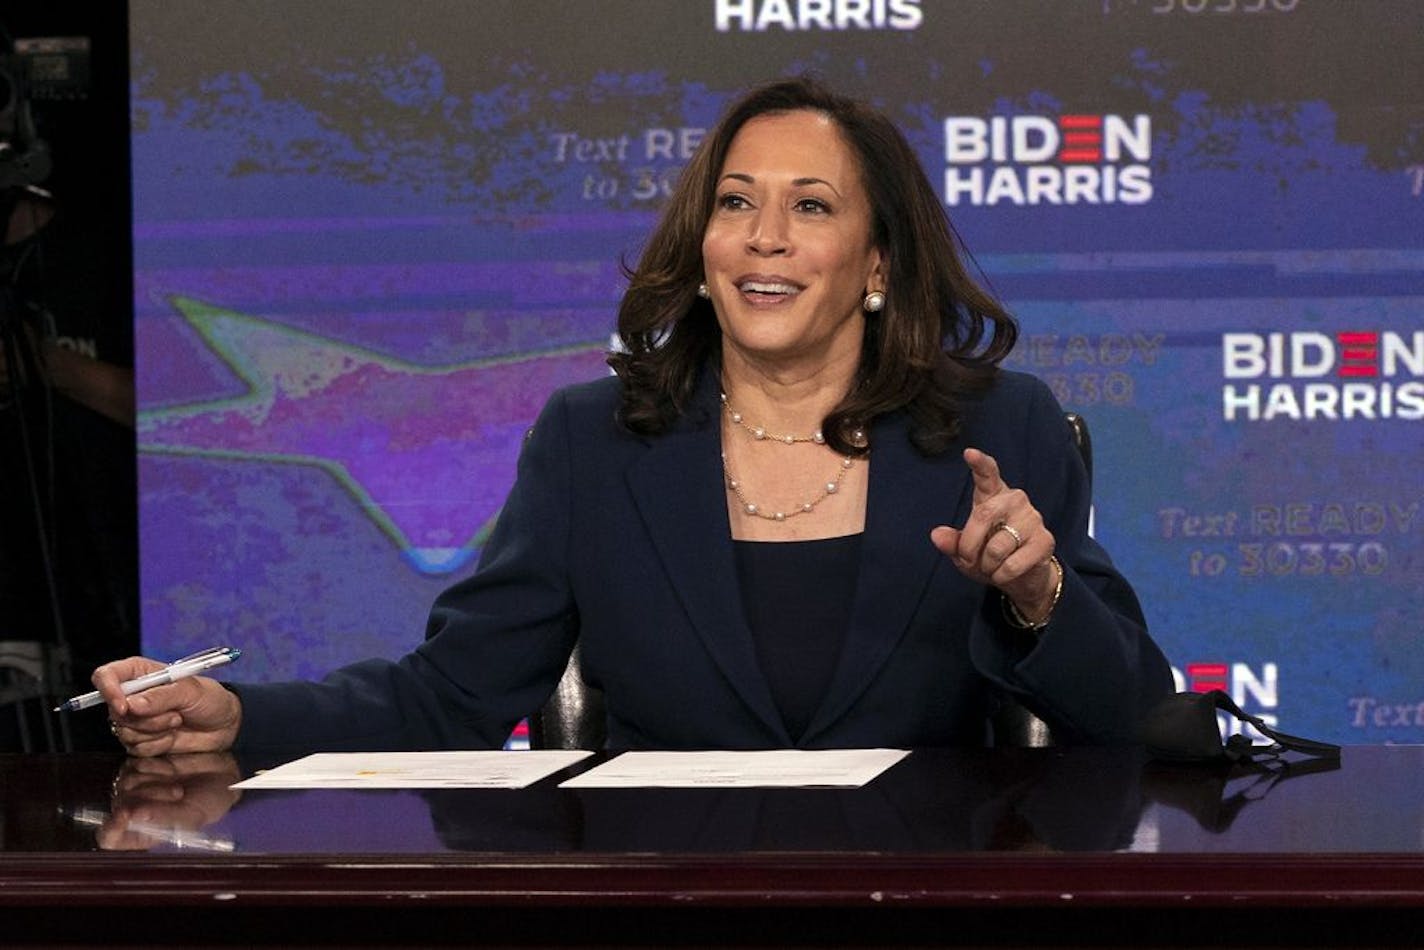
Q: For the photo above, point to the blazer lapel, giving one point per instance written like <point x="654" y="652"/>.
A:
<point x="909" y="494"/>
<point x="678" y="489"/>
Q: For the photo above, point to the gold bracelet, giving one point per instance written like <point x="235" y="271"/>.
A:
<point x="1015" y="616"/>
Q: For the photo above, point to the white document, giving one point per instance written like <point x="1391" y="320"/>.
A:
<point x="484" y="769"/>
<point x="773" y="768"/>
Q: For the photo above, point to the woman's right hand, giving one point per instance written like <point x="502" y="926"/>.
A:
<point x="171" y="799"/>
<point x="194" y="714"/>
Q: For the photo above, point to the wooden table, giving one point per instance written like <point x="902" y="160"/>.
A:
<point x="1037" y="847"/>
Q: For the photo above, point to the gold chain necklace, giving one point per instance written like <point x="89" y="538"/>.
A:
<point x="806" y="507"/>
<point x="759" y="432"/>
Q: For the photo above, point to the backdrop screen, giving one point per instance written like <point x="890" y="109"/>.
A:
<point x="371" y="238"/>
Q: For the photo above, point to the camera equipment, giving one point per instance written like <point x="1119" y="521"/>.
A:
<point x="34" y="70"/>
<point x="39" y="69"/>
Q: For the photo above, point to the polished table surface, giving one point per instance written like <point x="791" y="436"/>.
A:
<point x="1017" y="834"/>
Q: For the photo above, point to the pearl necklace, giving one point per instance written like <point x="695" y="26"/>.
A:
<point x="806" y="507"/>
<point x="759" y="433"/>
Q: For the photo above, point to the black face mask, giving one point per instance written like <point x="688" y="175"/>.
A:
<point x="1183" y="728"/>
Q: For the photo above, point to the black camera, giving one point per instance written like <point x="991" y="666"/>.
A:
<point x="38" y="69"/>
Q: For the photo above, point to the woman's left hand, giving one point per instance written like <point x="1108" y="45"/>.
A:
<point x="1004" y="543"/>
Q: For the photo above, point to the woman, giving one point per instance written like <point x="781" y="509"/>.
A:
<point x="748" y="531"/>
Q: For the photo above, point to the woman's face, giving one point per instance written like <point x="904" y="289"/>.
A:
<point x="787" y="252"/>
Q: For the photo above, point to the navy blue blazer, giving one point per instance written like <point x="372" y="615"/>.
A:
<point x="623" y="543"/>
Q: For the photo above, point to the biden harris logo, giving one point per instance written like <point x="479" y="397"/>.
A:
<point x="1255" y="689"/>
<point x="761" y="16"/>
<point x="1313" y="376"/>
<point x="1043" y="160"/>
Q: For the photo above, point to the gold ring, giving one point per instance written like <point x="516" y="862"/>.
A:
<point x="113" y="727"/>
<point x="1012" y="532"/>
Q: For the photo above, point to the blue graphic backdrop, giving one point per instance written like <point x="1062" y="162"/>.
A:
<point x="370" y="240"/>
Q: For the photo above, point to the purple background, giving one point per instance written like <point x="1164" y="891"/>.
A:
<point x="366" y="252"/>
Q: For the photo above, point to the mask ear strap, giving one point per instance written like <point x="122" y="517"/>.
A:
<point x="1284" y="740"/>
<point x="1239" y="747"/>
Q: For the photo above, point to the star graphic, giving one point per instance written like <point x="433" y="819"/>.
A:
<point x="428" y="452"/>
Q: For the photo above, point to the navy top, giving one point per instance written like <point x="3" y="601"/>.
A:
<point x="618" y="542"/>
<point x="797" y="596"/>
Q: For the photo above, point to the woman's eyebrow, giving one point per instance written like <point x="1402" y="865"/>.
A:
<point x="798" y="182"/>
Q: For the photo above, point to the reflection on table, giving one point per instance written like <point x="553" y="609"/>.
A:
<point x="1017" y="836"/>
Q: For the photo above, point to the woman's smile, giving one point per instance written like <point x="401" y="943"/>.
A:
<point x="768" y="290"/>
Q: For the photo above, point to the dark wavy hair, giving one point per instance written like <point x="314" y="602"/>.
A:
<point x="939" y="338"/>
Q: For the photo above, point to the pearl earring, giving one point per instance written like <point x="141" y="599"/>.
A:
<point x="874" y="302"/>
<point x="702" y="290"/>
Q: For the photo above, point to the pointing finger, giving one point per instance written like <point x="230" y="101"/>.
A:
<point x="985" y="469"/>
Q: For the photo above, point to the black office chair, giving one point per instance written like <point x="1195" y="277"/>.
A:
<point x="1078" y="426"/>
<point x="573" y="717"/>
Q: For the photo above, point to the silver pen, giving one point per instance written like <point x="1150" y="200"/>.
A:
<point x="199" y="662"/>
